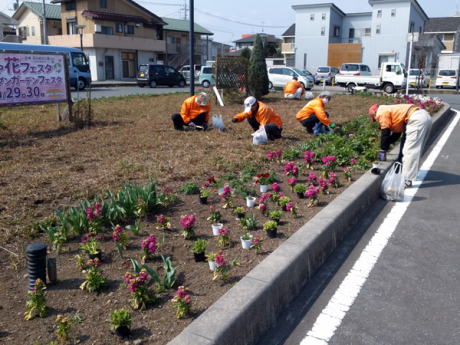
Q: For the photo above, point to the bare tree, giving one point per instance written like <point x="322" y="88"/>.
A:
<point x="423" y="50"/>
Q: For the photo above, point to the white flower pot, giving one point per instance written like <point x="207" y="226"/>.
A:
<point x="263" y="188"/>
<point x="250" y="201"/>
<point x="375" y="166"/>
<point x="246" y="243"/>
<point x="212" y="265"/>
<point x="216" y="228"/>
<point x="220" y="191"/>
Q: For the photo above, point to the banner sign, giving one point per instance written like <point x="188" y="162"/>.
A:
<point x="28" y="78"/>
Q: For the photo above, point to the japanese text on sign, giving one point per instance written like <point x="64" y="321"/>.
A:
<point x="31" y="78"/>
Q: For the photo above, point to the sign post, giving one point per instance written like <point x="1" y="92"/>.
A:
<point x="411" y="37"/>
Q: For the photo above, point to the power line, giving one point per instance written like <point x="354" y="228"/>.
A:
<point x="158" y="3"/>
<point x="237" y="22"/>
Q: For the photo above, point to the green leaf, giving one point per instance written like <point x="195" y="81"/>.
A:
<point x="137" y="267"/>
<point x="120" y="250"/>
<point x="152" y="273"/>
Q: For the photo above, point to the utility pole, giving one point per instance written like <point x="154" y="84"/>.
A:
<point x="192" y="39"/>
<point x="411" y="37"/>
<point x="45" y="28"/>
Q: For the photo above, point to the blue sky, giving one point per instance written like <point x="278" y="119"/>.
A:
<point x="274" y="16"/>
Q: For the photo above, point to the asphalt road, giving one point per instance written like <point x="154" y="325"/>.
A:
<point x="411" y="295"/>
<point x="99" y="92"/>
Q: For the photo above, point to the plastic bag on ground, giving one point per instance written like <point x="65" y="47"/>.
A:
<point x="259" y="137"/>
<point x="393" y="185"/>
<point x="218" y="122"/>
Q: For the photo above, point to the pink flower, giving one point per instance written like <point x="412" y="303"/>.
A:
<point x="278" y="154"/>
<point x="353" y="161"/>
<point x="270" y="155"/>
<point x="289" y="206"/>
<point x="276" y="187"/>
<point x="345" y="170"/>
<point x="227" y="189"/>
<point x="167" y="190"/>
<point x="262" y="207"/>
<point x="280" y="195"/>
<point x="292" y="181"/>
<point x="161" y="219"/>
<point x="223" y="231"/>
<point x="188" y="221"/>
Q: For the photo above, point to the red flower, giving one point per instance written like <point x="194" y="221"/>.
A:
<point x="259" y="175"/>
<point x="267" y="175"/>
<point x="206" y="185"/>
<point x="212" y="179"/>
<point x="257" y="181"/>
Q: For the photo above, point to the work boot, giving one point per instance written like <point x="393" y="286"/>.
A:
<point x="309" y="130"/>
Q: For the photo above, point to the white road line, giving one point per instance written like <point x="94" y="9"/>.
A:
<point x="332" y="315"/>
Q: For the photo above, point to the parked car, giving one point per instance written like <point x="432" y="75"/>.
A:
<point x="418" y="77"/>
<point x="447" y="78"/>
<point x="154" y="75"/>
<point x="185" y="71"/>
<point x="326" y="73"/>
<point x="355" y="69"/>
<point x="207" y="77"/>
<point x="280" y="76"/>
<point x="308" y="73"/>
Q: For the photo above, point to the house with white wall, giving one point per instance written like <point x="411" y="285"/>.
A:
<point x="326" y="36"/>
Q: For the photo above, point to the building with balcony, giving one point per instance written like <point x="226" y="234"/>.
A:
<point x="448" y="31"/>
<point x="215" y="49"/>
<point x="326" y="36"/>
<point x="177" y="38"/>
<point x="117" y="37"/>
<point x="288" y="46"/>
<point x="30" y="17"/>
<point x="7" y="32"/>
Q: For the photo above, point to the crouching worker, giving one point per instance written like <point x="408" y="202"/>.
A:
<point x="313" y="116"/>
<point x="415" y="125"/>
<point x="259" y="114"/>
<point x="293" y="89"/>
<point x="194" y="112"/>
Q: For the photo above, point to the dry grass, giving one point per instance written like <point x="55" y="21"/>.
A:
<point x="44" y="165"/>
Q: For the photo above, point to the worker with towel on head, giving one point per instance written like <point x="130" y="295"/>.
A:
<point x="414" y="123"/>
<point x="294" y="89"/>
<point x="314" y="116"/>
<point x="194" y="113"/>
<point x="259" y="114"/>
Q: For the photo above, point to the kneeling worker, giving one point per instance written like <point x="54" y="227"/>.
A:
<point x="259" y="114"/>
<point x="415" y="124"/>
<point x="314" y="115"/>
<point x="293" y="89"/>
<point x="194" y="112"/>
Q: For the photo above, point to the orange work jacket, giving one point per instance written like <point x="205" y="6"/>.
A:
<point x="292" y="86"/>
<point x="394" y="116"/>
<point x="264" y="116"/>
<point x="316" y="107"/>
<point x="190" y="110"/>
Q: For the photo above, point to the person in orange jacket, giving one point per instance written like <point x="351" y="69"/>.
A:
<point x="415" y="125"/>
<point x="194" y="112"/>
<point x="293" y="89"/>
<point x="314" y="115"/>
<point x="259" y="114"/>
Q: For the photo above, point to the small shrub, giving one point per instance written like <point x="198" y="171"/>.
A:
<point x="270" y="225"/>
<point x="182" y="302"/>
<point x="120" y="317"/>
<point x="189" y="188"/>
<point x="275" y="215"/>
<point x="37" y="301"/>
<point x="199" y="246"/>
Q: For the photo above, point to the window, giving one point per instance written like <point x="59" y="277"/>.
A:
<point x="33" y="30"/>
<point x="448" y="37"/>
<point x="79" y="61"/>
<point x="106" y="30"/>
<point x="367" y="31"/>
<point x="23" y="32"/>
<point x="393" y="12"/>
<point x="70" y="6"/>
<point x="28" y="33"/>
<point x="411" y="27"/>
<point x="420" y="29"/>
<point x="287" y="71"/>
<point x="350" y="68"/>
<point x="173" y="40"/>
<point x="277" y="71"/>
<point x="169" y="70"/>
<point x="377" y="30"/>
<point x="103" y="3"/>
<point x="363" y="68"/>
<point x="71" y="29"/>
<point x="336" y="31"/>
<point x="379" y="13"/>
<point x="119" y="27"/>
<point x="323" y="16"/>
<point x="351" y="33"/>
<point x="393" y="69"/>
<point x="129" y="29"/>
<point x="323" y="31"/>
<point x="158" y="70"/>
<point x="312" y="16"/>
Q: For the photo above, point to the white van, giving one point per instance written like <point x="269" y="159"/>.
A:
<point x="280" y="76"/>
<point x="356" y="69"/>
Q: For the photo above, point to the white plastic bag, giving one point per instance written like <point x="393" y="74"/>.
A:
<point x="218" y="122"/>
<point x="259" y="137"/>
<point x="393" y="184"/>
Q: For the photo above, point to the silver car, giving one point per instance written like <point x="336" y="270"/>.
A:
<point x="280" y="76"/>
<point x="326" y="73"/>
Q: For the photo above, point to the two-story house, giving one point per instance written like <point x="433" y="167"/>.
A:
<point x="118" y="35"/>
<point x="288" y="46"/>
<point x="177" y="37"/>
<point x="214" y="49"/>
<point x="30" y="17"/>
<point x="325" y="35"/>
<point x="448" y="30"/>
<point x="248" y="40"/>
<point x="7" y="32"/>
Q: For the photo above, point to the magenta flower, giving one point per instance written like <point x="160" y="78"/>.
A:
<point x="289" y="206"/>
<point x="270" y="155"/>
<point x="188" y="221"/>
<point x="292" y="181"/>
<point x="278" y="154"/>
<point x="354" y="161"/>
<point x="167" y="190"/>
<point x="276" y="187"/>
<point x="262" y="207"/>
<point x="223" y="231"/>
<point x="161" y="219"/>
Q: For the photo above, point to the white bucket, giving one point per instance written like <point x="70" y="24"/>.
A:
<point x="216" y="228"/>
<point x="212" y="265"/>
<point x="246" y="243"/>
<point x="220" y="191"/>
<point x="250" y="201"/>
<point x="263" y="188"/>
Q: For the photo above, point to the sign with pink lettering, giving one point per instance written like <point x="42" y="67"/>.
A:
<point x="27" y="78"/>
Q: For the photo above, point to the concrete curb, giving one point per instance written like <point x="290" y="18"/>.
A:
<point x="249" y="308"/>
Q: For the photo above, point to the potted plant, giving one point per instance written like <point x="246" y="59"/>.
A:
<point x="204" y="194"/>
<point x="300" y="189"/>
<point x="271" y="227"/>
<point x="216" y="227"/>
<point x="121" y="320"/>
<point x="199" y="247"/>
<point x="240" y="212"/>
<point x="210" y="259"/>
<point x="90" y="244"/>
<point x="216" y="184"/>
<point x="292" y="183"/>
<point x="263" y="180"/>
<point x="275" y="216"/>
<point x="188" y="222"/>
<point x="246" y="240"/>
<point x="283" y="201"/>
<point x="376" y="165"/>
<point x="250" y="200"/>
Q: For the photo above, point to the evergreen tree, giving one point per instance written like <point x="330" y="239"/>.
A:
<point x="258" y="76"/>
<point x="246" y="53"/>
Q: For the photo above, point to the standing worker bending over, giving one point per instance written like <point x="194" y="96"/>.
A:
<point x="314" y="115"/>
<point x="195" y="112"/>
<point x="259" y="114"/>
<point x="415" y="124"/>
<point x="293" y="89"/>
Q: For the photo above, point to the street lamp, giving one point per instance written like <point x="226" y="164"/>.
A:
<point x="80" y="29"/>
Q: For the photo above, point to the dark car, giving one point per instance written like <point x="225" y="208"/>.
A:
<point x="154" y="75"/>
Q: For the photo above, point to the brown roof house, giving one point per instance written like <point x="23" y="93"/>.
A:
<point x="448" y="30"/>
<point x="117" y="37"/>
